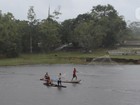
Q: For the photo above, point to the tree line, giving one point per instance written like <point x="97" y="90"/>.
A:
<point x="102" y="27"/>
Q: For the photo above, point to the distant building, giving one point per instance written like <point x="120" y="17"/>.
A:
<point x="131" y="43"/>
<point x="128" y="47"/>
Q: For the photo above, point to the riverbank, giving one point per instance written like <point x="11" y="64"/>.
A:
<point x="69" y="58"/>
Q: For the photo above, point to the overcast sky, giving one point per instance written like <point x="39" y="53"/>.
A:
<point x="130" y="9"/>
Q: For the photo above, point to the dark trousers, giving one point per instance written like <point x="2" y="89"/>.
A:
<point x="59" y="82"/>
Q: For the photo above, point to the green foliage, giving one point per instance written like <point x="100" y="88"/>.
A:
<point x="23" y="33"/>
<point x="102" y="27"/>
<point x="111" y="24"/>
<point x="67" y="31"/>
<point x="50" y="37"/>
<point x="9" y="39"/>
<point x="31" y="15"/>
<point x="134" y="28"/>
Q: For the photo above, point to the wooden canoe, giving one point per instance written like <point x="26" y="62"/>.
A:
<point x="71" y="81"/>
<point x="65" y="81"/>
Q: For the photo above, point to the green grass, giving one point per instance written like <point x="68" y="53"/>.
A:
<point x="59" y="58"/>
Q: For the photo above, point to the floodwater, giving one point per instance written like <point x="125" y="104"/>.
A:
<point x="100" y="85"/>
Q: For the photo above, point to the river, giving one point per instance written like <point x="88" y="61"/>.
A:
<point x="100" y="85"/>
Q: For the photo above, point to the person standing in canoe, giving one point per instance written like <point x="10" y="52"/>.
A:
<point x="74" y="74"/>
<point x="59" y="79"/>
<point x="48" y="79"/>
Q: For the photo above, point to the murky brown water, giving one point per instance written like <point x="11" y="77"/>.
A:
<point x="100" y="85"/>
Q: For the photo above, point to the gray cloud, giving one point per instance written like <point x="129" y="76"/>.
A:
<point x="69" y="8"/>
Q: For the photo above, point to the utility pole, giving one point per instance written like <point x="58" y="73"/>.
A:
<point x="49" y="12"/>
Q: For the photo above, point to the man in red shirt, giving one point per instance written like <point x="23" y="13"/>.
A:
<point x="74" y="74"/>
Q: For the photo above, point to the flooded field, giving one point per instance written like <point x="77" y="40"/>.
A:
<point x="100" y="85"/>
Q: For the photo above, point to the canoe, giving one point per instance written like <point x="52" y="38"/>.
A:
<point x="55" y="85"/>
<point x="71" y="81"/>
<point x="64" y="81"/>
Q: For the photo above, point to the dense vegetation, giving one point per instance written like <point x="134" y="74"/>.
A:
<point x="102" y="27"/>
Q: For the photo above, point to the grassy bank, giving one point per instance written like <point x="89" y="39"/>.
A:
<point x="59" y="58"/>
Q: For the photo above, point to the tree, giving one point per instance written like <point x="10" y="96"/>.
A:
<point x="135" y="29"/>
<point x="32" y="21"/>
<point x="113" y="25"/>
<point x="50" y="37"/>
<point x="9" y="39"/>
<point x="55" y="14"/>
<point x="102" y="27"/>
<point x="87" y="32"/>
<point x="67" y="28"/>
<point x="24" y="32"/>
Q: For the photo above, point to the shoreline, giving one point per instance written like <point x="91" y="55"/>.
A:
<point x="69" y="58"/>
<point x="83" y="61"/>
<point x="117" y="60"/>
